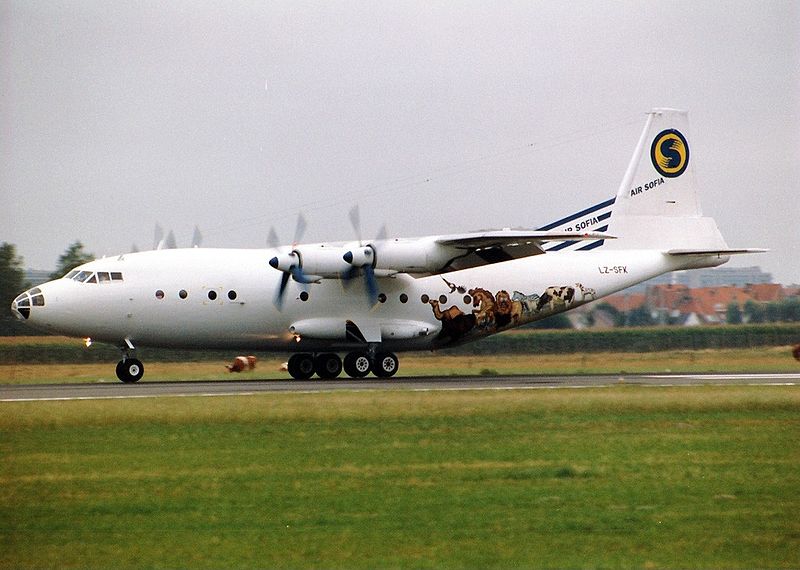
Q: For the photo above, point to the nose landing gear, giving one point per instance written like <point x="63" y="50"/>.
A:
<point x="129" y="370"/>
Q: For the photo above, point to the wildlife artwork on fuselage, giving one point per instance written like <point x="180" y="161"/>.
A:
<point x="479" y="312"/>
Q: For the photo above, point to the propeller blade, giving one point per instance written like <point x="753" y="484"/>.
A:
<point x="197" y="237"/>
<point x="272" y="238"/>
<point x="158" y="236"/>
<point x="281" y="291"/>
<point x="355" y="221"/>
<point x="299" y="229"/>
<point x="381" y="233"/>
<point x="371" y="283"/>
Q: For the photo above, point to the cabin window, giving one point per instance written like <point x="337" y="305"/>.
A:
<point x="232" y="295"/>
<point x="183" y="294"/>
<point x="212" y="295"/>
<point x="159" y="294"/>
<point x="443" y="299"/>
<point x="382" y="298"/>
<point x="403" y="298"/>
<point x="425" y="299"/>
<point x="304" y="296"/>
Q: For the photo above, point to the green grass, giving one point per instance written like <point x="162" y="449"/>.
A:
<point x="768" y="359"/>
<point x="616" y="477"/>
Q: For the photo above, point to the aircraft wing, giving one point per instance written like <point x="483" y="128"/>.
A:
<point x="513" y="238"/>
<point x="494" y="246"/>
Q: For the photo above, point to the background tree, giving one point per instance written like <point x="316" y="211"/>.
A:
<point x="12" y="283"/>
<point x="733" y="314"/>
<point x="557" y="321"/>
<point x="70" y="259"/>
<point x="754" y="312"/>
<point x="640" y="317"/>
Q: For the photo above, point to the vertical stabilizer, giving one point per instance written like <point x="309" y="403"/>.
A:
<point x="657" y="205"/>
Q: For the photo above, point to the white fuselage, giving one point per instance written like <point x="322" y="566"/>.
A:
<point x="225" y="298"/>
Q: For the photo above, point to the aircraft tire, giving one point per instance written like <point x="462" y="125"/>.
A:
<point x="301" y="366"/>
<point x="130" y="370"/>
<point x="385" y="365"/>
<point x="357" y="364"/>
<point x="328" y="365"/>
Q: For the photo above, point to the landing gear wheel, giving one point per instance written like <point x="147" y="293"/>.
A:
<point x="356" y="364"/>
<point x="385" y="365"/>
<point x="301" y="366"/>
<point x="328" y="365"/>
<point x="130" y="370"/>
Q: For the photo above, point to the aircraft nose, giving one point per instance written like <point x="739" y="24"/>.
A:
<point x="21" y="306"/>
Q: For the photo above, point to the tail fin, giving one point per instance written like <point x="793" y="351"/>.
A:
<point x="657" y="206"/>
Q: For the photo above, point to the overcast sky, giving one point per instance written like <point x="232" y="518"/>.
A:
<point x="434" y="117"/>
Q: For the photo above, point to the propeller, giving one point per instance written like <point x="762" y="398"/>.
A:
<point x="363" y="259"/>
<point x="289" y="264"/>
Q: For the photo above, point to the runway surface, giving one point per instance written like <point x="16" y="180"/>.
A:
<point x="56" y="392"/>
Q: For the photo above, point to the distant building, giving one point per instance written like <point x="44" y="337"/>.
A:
<point x="715" y="277"/>
<point x="36" y="276"/>
<point x="680" y="304"/>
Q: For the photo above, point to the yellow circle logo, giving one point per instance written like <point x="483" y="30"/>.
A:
<point x="670" y="153"/>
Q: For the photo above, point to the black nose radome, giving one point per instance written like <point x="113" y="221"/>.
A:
<point x="274" y="262"/>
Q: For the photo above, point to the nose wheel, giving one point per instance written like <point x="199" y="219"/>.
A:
<point x="130" y="370"/>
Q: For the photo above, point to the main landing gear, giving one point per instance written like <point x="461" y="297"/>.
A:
<point x="303" y="366"/>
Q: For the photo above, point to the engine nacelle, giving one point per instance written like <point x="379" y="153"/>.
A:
<point x="316" y="262"/>
<point x="325" y="261"/>
<point x="417" y="256"/>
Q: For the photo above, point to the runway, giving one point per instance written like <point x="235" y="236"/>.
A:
<point x="61" y="392"/>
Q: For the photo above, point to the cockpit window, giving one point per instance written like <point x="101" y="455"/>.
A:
<point x="94" y="278"/>
<point x="71" y="274"/>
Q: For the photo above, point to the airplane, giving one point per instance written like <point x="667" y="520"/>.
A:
<point x="370" y="299"/>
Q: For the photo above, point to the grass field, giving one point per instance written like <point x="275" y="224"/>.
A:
<point x="617" y="477"/>
<point x="771" y="359"/>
